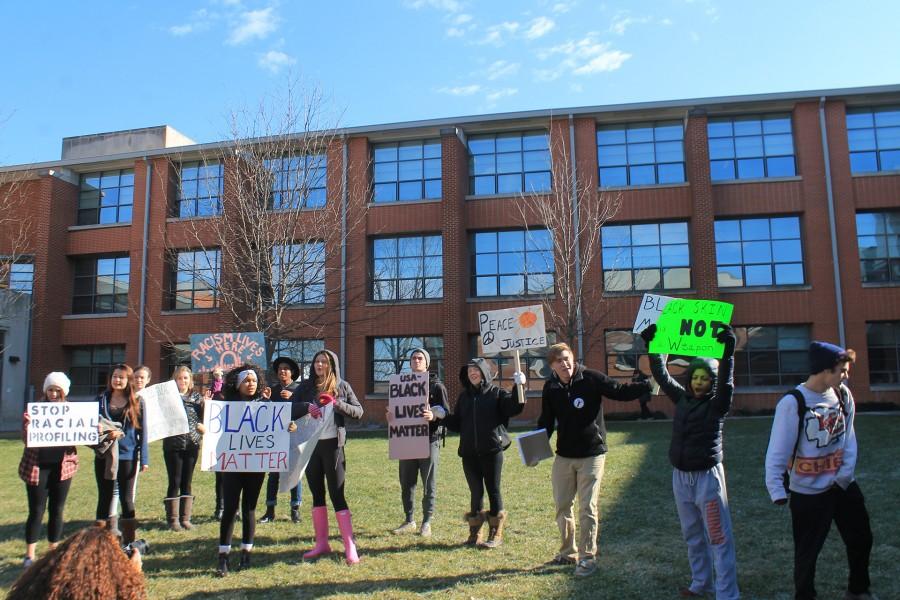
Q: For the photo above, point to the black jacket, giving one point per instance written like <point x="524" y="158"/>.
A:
<point x="345" y="402"/>
<point x="575" y="410"/>
<point x="698" y="423"/>
<point x="437" y="396"/>
<point x="193" y="408"/>
<point x="482" y="414"/>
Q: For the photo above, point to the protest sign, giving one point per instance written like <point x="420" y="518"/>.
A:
<point x="163" y="411"/>
<point x="408" y="432"/>
<point x="303" y="442"/>
<point x="246" y="436"/>
<point x="226" y="350"/>
<point x="690" y="327"/>
<point x="512" y="329"/>
<point x="534" y="446"/>
<point x="62" y="424"/>
<point x="651" y="308"/>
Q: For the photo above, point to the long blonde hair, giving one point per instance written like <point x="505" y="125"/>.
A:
<point x="328" y="383"/>
<point x="184" y="369"/>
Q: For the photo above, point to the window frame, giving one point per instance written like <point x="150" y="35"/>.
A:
<point x="98" y="372"/>
<point x="91" y="197"/>
<point x="430" y="188"/>
<point x="751" y="242"/>
<point x="174" y="270"/>
<point x="308" y="348"/>
<point x="882" y="239"/>
<point x="311" y="291"/>
<point x="496" y="172"/>
<point x="433" y="344"/>
<point x="422" y="278"/>
<point x="635" y="273"/>
<point x="96" y="298"/>
<point x="312" y="172"/>
<point x="877" y="376"/>
<point x="212" y="201"/>
<point x="877" y="149"/>
<point x="744" y="351"/>
<point x="765" y="157"/>
<point x="536" y="368"/>
<point x="523" y="273"/>
<point x="629" y="167"/>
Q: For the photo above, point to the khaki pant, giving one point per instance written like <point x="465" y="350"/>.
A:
<point x="579" y="476"/>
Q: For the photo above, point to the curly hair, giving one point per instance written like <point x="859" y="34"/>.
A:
<point x="89" y="565"/>
<point x="230" y="388"/>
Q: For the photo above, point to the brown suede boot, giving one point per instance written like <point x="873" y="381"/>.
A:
<point x="495" y="530"/>
<point x="171" y="505"/>
<point x="475" y="521"/>
<point x="129" y="526"/>
<point x="187" y="509"/>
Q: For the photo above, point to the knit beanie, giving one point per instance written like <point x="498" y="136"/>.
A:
<point x="824" y="356"/>
<point x="424" y="353"/>
<point x="58" y="379"/>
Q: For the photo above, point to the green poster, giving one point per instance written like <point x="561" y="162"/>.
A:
<point x="690" y="327"/>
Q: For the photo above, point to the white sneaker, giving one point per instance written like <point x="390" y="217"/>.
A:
<point x="408" y="527"/>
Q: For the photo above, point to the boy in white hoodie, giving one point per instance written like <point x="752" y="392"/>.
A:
<point x="821" y="455"/>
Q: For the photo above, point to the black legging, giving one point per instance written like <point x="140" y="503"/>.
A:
<point x="327" y="463"/>
<point x="484" y="472"/>
<point x="126" y="476"/>
<point x="180" y="468"/>
<point x="243" y="489"/>
<point x="49" y="486"/>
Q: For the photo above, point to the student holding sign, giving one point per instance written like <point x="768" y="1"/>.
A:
<point x="245" y="383"/>
<point x="698" y="477"/>
<point x="181" y="452"/>
<point x="571" y="404"/>
<point x="419" y="361"/>
<point x="481" y="417"/>
<point x="47" y="473"/>
<point x="328" y="464"/>
<point x="123" y="446"/>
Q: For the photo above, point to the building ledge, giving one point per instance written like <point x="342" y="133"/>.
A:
<point x="640" y="293"/>
<point x="192" y="311"/>
<point x="513" y="196"/>
<point x="875" y="174"/>
<point x="116" y="315"/>
<point x="758" y="180"/>
<point x="536" y="298"/>
<point x="743" y="289"/>
<point x="98" y="226"/>
<point x="405" y="202"/>
<point x="650" y="186"/>
<point x="418" y="301"/>
<point x="881" y="284"/>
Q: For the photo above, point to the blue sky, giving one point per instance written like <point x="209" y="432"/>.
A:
<point x="74" y="68"/>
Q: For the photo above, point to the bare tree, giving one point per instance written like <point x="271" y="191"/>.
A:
<point x="275" y="239"/>
<point x="573" y="213"/>
<point x="16" y="224"/>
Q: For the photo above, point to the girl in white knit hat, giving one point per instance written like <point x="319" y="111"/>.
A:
<point x="47" y="473"/>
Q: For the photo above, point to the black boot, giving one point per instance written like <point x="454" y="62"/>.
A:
<point x="269" y="516"/>
<point x="222" y="569"/>
<point x="245" y="560"/>
<point x="295" y="514"/>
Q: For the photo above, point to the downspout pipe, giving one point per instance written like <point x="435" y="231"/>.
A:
<point x="144" y="249"/>
<point x="576" y="220"/>
<point x="343" y="241"/>
<point x="835" y="262"/>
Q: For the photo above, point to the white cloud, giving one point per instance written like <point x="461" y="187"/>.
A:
<point x="495" y="33"/>
<point x="180" y="30"/>
<point x="546" y="75"/>
<point x="666" y="21"/>
<point x="275" y="60"/>
<point x="539" y="27"/>
<point x="254" y="24"/>
<point x="444" y="5"/>
<point x="562" y="7"/>
<point x="461" y="19"/>
<point x="200" y="20"/>
<point x="455" y="32"/>
<point x="462" y="90"/>
<point x="586" y="56"/>
<point x="501" y="68"/>
<point x="621" y="22"/>
<point x="498" y="94"/>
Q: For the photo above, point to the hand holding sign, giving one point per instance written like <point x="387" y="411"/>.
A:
<point x="691" y="328"/>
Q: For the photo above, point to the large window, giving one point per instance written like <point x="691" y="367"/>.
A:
<point x="878" y="238"/>
<point x="390" y="355"/>
<point x="776" y="355"/>
<point x="759" y="252"/>
<point x="407" y="171"/>
<point x="174" y="355"/>
<point x="640" y="153"/>
<point x="502" y="366"/>
<point x="883" y="343"/>
<point x="200" y="189"/>
<point x="626" y="355"/>
<point x="750" y="147"/>
<point x="298" y="181"/>
<point x="91" y="367"/>
<point x="298" y="273"/>
<point x="106" y="197"/>
<point x="647" y="256"/>
<point x="509" y="163"/>
<point x="194" y="279"/>
<point x="873" y="135"/>
<point x="407" y="268"/>
<point x="101" y="284"/>
<point x="17" y="276"/>
<point x="512" y="263"/>
<point x="301" y="350"/>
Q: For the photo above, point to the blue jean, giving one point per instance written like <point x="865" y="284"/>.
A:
<point x="702" y="502"/>
<point x="272" y="491"/>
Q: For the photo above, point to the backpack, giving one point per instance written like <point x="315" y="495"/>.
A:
<point x="801" y="411"/>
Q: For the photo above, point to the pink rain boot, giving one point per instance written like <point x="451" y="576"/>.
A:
<point x="345" y="524"/>
<point x="320" y="526"/>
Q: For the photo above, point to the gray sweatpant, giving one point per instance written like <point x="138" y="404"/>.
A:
<point x="410" y="470"/>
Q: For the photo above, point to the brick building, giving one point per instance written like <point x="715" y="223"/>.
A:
<point x="786" y="205"/>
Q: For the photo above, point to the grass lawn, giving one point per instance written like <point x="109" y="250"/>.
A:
<point x="641" y="551"/>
